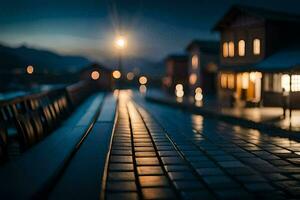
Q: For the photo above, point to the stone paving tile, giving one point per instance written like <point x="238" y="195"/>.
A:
<point x="121" y="176"/>
<point x="158" y="193"/>
<point x="122" y="195"/>
<point x="121" y="186"/>
<point x="199" y="194"/>
<point x="175" y="176"/>
<point x="198" y="158"/>
<point x="188" y="185"/>
<point x="153" y="181"/>
<point x="120" y="167"/>
<point x="150" y="170"/>
<point x="256" y="163"/>
<point x="147" y="161"/>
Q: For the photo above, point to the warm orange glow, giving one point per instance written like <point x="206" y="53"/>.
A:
<point x="29" y="69"/>
<point x="130" y="76"/>
<point x="193" y="79"/>
<point x="231" y="49"/>
<point x="195" y="62"/>
<point x="256" y="46"/>
<point x="225" y="49"/>
<point x="245" y="80"/>
<point x="120" y="42"/>
<point x="254" y="76"/>
<point x="95" y="75"/>
<point x="242" y="47"/>
<point x="224" y="80"/>
<point x="230" y="81"/>
<point x="116" y="74"/>
<point x="143" y="80"/>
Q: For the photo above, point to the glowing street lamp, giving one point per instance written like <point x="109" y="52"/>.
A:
<point x="120" y="42"/>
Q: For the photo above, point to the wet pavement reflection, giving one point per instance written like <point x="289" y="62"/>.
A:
<point x="163" y="152"/>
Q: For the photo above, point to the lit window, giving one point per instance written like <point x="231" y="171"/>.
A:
<point x="193" y="79"/>
<point x="245" y="80"/>
<point x="195" y="62"/>
<point x="225" y="49"/>
<point x="242" y="48"/>
<point x="295" y="83"/>
<point x="231" y="49"/>
<point x="285" y="82"/>
<point x="223" y="80"/>
<point x="256" y="46"/>
<point x="230" y="81"/>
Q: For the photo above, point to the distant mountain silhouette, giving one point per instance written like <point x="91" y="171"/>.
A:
<point x="42" y="60"/>
<point x="12" y="59"/>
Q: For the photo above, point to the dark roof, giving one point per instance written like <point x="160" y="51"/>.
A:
<point x="262" y="13"/>
<point x="177" y="57"/>
<point x="208" y="46"/>
<point x="284" y="60"/>
<point x="96" y="66"/>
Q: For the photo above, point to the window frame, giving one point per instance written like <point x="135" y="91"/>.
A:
<point x="225" y="49"/>
<point x="241" y="48"/>
<point x="231" y="51"/>
<point x="256" y="46"/>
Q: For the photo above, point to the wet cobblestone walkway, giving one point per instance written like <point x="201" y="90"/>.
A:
<point x="160" y="152"/>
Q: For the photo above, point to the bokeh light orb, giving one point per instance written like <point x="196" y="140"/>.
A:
<point x="95" y="75"/>
<point x="130" y="76"/>
<point x="143" y="80"/>
<point x="179" y="87"/>
<point x="116" y="74"/>
<point x="29" y="69"/>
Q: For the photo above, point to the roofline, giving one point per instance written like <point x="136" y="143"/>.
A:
<point x="200" y="40"/>
<point x="244" y="9"/>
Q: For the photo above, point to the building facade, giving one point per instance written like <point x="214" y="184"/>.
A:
<point x="203" y="61"/>
<point x="99" y="75"/>
<point x="176" y="73"/>
<point x="260" y="57"/>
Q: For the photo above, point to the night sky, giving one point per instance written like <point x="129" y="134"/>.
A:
<point x="87" y="27"/>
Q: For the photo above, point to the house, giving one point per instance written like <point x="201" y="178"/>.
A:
<point x="259" y="56"/>
<point x="203" y="61"/>
<point x="176" y="72"/>
<point x="99" y="75"/>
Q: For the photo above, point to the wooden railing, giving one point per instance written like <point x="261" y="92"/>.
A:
<point x="26" y="120"/>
